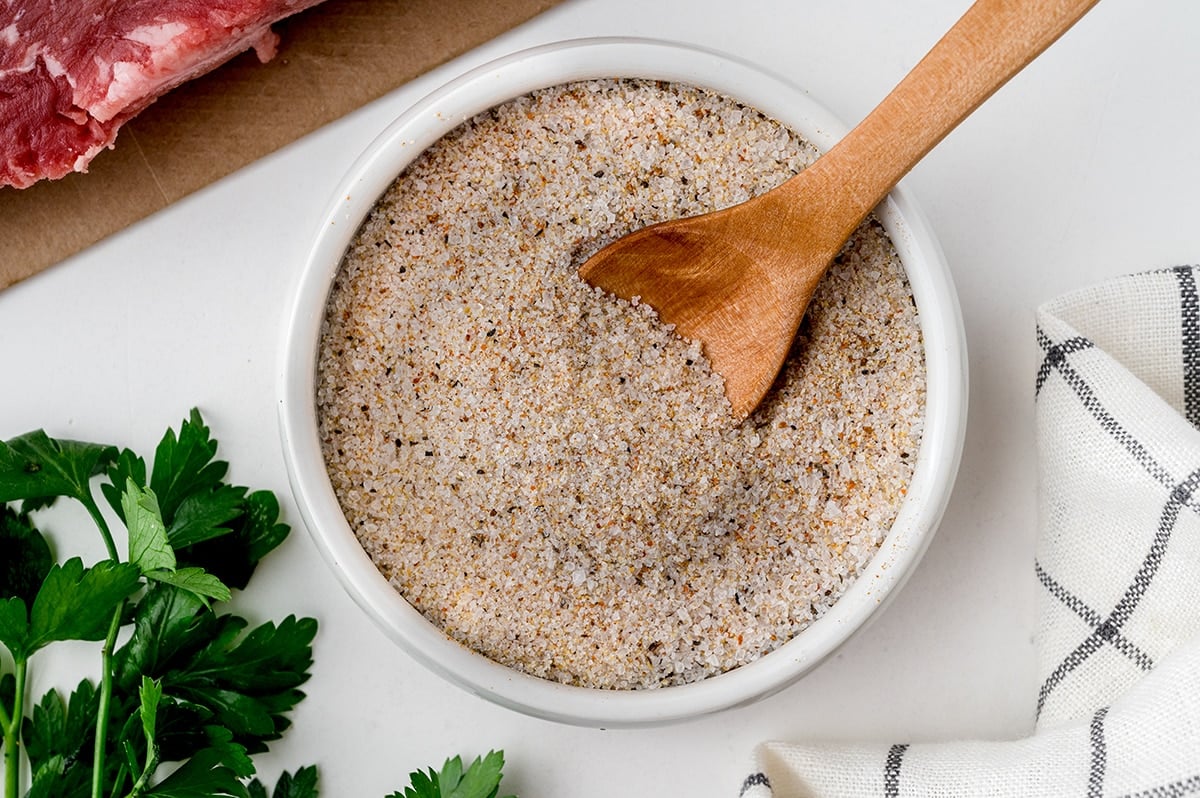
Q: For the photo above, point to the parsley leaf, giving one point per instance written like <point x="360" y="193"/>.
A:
<point x="193" y="580"/>
<point x="149" y="548"/>
<point x="59" y="732"/>
<point x="56" y="779"/>
<point x="243" y="681"/>
<point x="14" y="624"/>
<point x="165" y="621"/>
<point x="60" y="728"/>
<point x="185" y="465"/>
<point x="301" y="785"/>
<point x="203" y="516"/>
<point x="25" y="556"/>
<point x="151" y="551"/>
<point x="480" y="780"/>
<point x="249" y="681"/>
<point x="73" y="603"/>
<point x="150" y="694"/>
<point x="223" y="528"/>
<point x="233" y="755"/>
<point x="254" y="534"/>
<point x="36" y="466"/>
<point x="205" y="775"/>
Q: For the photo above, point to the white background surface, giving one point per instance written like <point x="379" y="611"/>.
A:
<point x="1084" y="167"/>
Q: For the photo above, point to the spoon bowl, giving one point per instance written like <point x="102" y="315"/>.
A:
<point x="739" y="280"/>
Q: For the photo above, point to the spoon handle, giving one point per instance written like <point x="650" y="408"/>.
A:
<point x="989" y="44"/>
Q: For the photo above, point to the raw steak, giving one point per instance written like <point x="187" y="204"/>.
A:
<point x="73" y="71"/>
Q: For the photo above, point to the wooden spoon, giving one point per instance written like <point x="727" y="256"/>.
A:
<point x="738" y="280"/>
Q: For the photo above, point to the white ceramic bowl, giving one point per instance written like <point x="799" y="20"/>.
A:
<point x="373" y="172"/>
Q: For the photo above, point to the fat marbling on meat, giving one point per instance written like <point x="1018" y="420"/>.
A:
<point x="73" y="71"/>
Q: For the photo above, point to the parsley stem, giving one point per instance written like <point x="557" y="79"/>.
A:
<point x="102" y="711"/>
<point x="106" y="665"/>
<point x="94" y="511"/>
<point x="143" y="781"/>
<point x="12" y="732"/>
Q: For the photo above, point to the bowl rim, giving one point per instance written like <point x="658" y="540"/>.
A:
<point x="458" y="100"/>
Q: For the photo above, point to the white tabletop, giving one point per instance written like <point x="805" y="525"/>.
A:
<point x="1084" y="167"/>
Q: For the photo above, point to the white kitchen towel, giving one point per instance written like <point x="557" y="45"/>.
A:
<point x="1118" y="563"/>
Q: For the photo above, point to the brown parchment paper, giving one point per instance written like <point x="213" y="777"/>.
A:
<point x="332" y="59"/>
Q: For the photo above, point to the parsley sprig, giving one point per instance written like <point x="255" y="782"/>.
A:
<point x="191" y="694"/>
<point x="190" y="688"/>
<point x="481" y="779"/>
